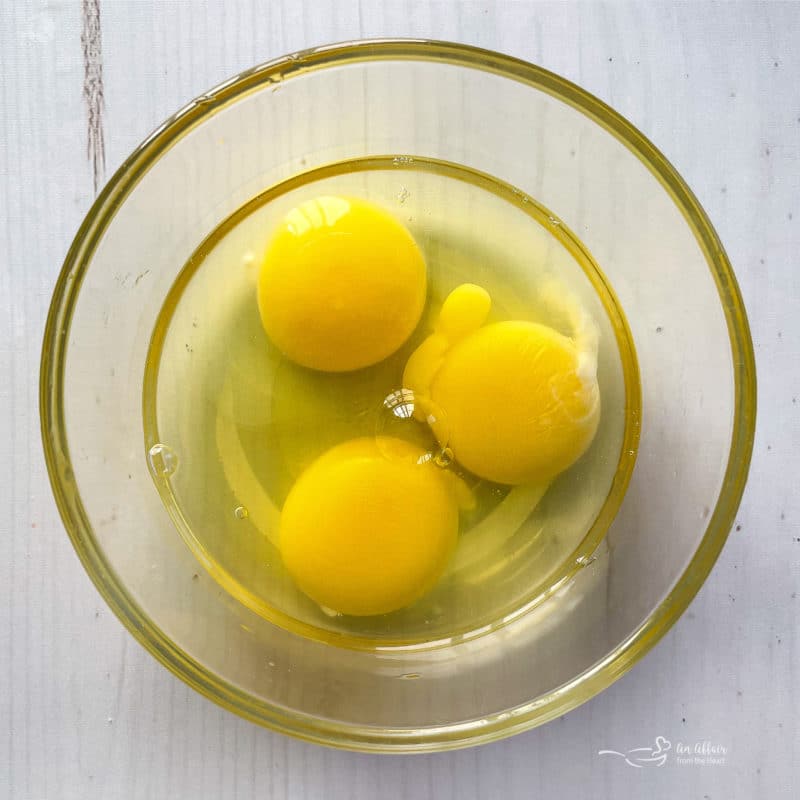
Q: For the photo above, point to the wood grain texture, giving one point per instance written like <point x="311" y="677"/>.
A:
<point x="92" y="46"/>
<point x="86" y="713"/>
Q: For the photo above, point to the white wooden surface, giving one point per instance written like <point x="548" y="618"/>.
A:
<point x="86" y="713"/>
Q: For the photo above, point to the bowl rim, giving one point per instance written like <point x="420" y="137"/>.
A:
<point x="307" y="727"/>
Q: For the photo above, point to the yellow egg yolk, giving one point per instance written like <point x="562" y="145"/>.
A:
<point x="342" y="285"/>
<point x="516" y="402"/>
<point x="369" y="527"/>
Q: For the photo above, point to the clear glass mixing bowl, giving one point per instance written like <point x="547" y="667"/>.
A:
<point x="633" y="575"/>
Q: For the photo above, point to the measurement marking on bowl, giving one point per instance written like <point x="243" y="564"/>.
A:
<point x="162" y="460"/>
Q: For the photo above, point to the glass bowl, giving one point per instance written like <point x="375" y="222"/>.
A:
<point x="604" y="185"/>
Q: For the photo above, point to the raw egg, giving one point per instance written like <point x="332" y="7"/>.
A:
<point x="342" y="285"/>
<point x="369" y="527"/>
<point x="516" y="402"/>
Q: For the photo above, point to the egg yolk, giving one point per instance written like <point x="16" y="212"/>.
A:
<point x="342" y="285"/>
<point x="369" y="527"/>
<point x="517" y="402"/>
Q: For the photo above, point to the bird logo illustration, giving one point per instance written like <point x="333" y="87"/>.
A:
<point x="643" y="756"/>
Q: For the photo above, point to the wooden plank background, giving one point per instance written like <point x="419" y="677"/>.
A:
<point x="86" y="713"/>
